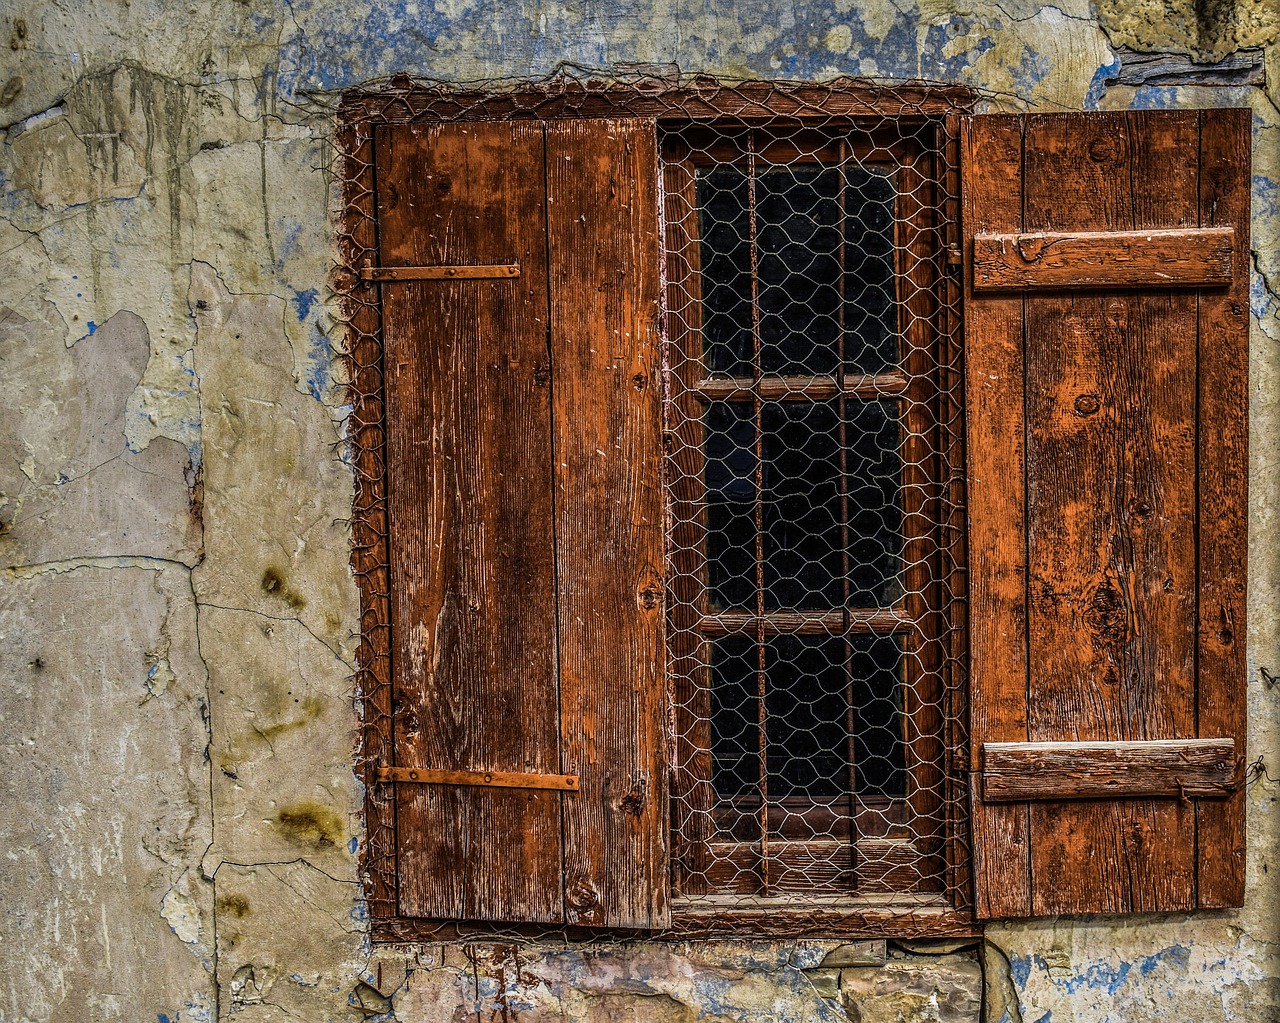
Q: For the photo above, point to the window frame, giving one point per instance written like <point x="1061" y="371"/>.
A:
<point x="407" y="102"/>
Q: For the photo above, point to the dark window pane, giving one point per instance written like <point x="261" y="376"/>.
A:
<point x="807" y="300"/>
<point x="798" y="224"/>
<point x="804" y="557"/>
<point x="874" y="468"/>
<point x="806" y="701"/>
<point x="875" y="670"/>
<point x="803" y="561"/>
<point x="731" y="491"/>
<point x="725" y="232"/>
<point x="871" y="313"/>
<point x="735" y="718"/>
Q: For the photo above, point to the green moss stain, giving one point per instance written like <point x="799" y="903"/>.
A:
<point x="276" y="585"/>
<point x="310" y="824"/>
<point x="234" y="905"/>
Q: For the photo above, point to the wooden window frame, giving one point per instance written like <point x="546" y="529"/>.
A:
<point x="406" y="102"/>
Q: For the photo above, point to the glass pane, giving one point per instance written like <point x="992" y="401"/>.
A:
<point x="725" y="233"/>
<point x="871" y="314"/>
<point x="798" y="224"/>
<point x="875" y="671"/>
<point x="805" y="562"/>
<point x="806" y="704"/>
<point x="731" y="492"/>
<point x="735" y="718"/>
<point x="809" y="217"/>
<point x="875" y="503"/>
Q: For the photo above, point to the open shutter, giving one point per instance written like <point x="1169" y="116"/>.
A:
<point x="520" y="277"/>
<point x="1106" y="352"/>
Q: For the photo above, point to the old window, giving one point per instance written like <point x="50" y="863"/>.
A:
<point x="813" y="404"/>
<point x="725" y="455"/>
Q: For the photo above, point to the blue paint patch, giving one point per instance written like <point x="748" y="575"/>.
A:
<point x="162" y="1017"/>
<point x="289" y="235"/>
<point x="304" y="300"/>
<point x="318" y="373"/>
<point x="93" y="328"/>
<point x="1020" y="967"/>
<point x="1098" y="85"/>
<point x="1046" y="1018"/>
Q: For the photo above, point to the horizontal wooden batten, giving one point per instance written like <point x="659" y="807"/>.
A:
<point x="805" y="623"/>
<point x="490" y="779"/>
<point x="1018" y="772"/>
<point x="395" y="274"/>
<point x="801" y="388"/>
<point x="1189" y="257"/>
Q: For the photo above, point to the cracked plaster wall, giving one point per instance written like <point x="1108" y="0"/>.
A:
<point x="177" y="620"/>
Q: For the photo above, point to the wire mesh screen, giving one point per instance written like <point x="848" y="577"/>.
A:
<point x="813" y="486"/>
<point x="814" y="433"/>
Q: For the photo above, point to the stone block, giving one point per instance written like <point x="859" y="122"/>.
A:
<point x="914" y="989"/>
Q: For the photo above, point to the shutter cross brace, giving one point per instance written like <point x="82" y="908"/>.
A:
<point x="489" y="779"/>
<point x="493" y="271"/>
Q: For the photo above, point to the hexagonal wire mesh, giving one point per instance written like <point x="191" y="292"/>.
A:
<point x="814" y="487"/>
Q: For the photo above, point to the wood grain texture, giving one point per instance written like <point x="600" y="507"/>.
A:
<point x="1223" y="436"/>
<point x="1103" y="259"/>
<point x="603" y="239"/>
<point x="991" y="169"/>
<point x="469" y="456"/>
<point x="390" y="274"/>
<point x="1111" y="508"/>
<point x="1175" y="768"/>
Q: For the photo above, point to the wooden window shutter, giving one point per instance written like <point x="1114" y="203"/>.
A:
<point x="521" y="364"/>
<point x="1106" y="367"/>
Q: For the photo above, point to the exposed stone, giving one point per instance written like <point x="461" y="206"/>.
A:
<point x="914" y="989"/>
<point x="858" y="953"/>
<point x="826" y="982"/>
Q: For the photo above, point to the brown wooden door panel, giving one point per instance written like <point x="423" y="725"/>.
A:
<point x="602" y="209"/>
<point x="470" y="501"/>
<point x="1100" y="449"/>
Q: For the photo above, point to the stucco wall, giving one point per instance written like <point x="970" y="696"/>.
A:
<point x="179" y="815"/>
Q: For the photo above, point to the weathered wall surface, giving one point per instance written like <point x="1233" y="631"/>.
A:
<point x="179" y="814"/>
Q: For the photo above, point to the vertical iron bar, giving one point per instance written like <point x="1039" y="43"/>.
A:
<point x="756" y="373"/>
<point x="850" y="721"/>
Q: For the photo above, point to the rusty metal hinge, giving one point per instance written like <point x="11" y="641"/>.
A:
<point x="386" y="274"/>
<point x="491" y="779"/>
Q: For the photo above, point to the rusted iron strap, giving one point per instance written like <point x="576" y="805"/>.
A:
<point x="387" y="274"/>
<point x="490" y="779"/>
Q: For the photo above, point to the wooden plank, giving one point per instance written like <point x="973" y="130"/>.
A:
<point x="1111" y="508"/>
<point x="606" y="388"/>
<point x="991" y="172"/>
<point x="474" y="272"/>
<point x="692" y="794"/>
<point x="1103" y="259"/>
<point x="1178" y="768"/>
<point x="469" y="451"/>
<point x="870" y="387"/>
<point x="1223" y="438"/>
<point x="880" y="622"/>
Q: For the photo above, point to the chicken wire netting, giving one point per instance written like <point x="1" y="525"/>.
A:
<point x="813" y="481"/>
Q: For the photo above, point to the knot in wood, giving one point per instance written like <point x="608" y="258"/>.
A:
<point x="581" y="895"/>
<point x="1032" y="246"/>
<point x="633" y="801"/>
<point x="1087" y="405"/>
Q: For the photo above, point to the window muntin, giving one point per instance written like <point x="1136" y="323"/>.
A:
<point x="807" y="623"/>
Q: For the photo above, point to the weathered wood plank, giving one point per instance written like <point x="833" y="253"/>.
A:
<point x="606" y="387"/>
<point x="1111" y="508"/>
<point x="469" y="456"/>
<point x="1179" y="768"/>
<point x="1103" y="259"/>
<point x="870" y="387"/>
<point x="1224" y="467"/>
<point x="991" y="169"/>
